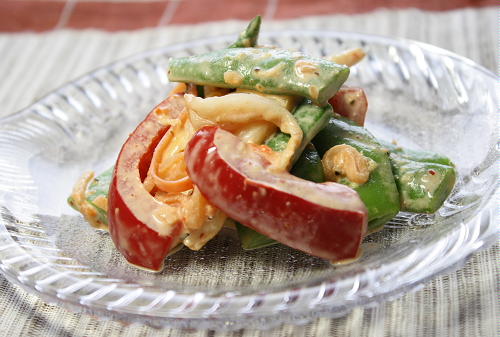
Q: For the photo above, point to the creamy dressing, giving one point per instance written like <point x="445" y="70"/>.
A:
<point x="198" y="238"/>
<point x="233" y="78"/>
<point x="253" y="119"/>
<point x="257" y="132"/>
<point x="195" y="210"/>
<point x="255" y="122"/>
<point x="431" y="181"/>
<point x="287" y="101"/>
<point x="313" y="91"/>
<point x="79" y="201"/>
<point x="102" y="202"/>
<point x="236" y="109"/>
<point x="428" y="182"/>
<point x="344" y="161"/>
<point x="260" y="87"/>
<point x="167" y="169"/>
<point x="273" y="72"/>
<point x="211" y="91"/>
<point x="157" y="215"/>
<point x="306" y="69"/>
<point x="349" y="57"/>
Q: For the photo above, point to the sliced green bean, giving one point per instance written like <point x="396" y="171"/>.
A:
<point x="424" y="179"/>
<point x="268" y="70"/>
<point x="99" y="186"/>
<point x="248" y="37"/>
<point x="379" y="193"/>
<point x="311" y="119"/>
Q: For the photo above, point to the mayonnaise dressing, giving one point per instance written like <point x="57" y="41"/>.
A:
<point x="233" y="78"/>
<point x="79" y="201"/>
<point x="345" y="161"/>
<point x="236" y="109"/>
<point x="254" y="118"/>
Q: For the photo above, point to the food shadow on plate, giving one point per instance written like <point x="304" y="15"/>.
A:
<point x="222" y="263"/>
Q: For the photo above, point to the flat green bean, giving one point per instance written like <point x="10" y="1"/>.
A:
<point x="268" y="70"/>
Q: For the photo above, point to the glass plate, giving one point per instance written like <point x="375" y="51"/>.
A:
<point x="420" y="95"/>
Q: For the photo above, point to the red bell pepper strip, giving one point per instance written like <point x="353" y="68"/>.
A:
<point x="142" y="228"/>
<point x="327" y="220"/>
<point x="350" y="103"/>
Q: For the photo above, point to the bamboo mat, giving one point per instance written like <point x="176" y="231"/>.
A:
<point x="461" y="303"/>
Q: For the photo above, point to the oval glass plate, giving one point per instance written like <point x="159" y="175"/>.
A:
<point x="422" y="96"/>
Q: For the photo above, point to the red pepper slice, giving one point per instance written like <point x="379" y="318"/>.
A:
<point x="327" y="220"/>
<point x="351" y="103"/>
<point x="141" y="227"/>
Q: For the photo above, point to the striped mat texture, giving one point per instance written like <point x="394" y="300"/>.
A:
<point x="113" y="15"/>
<point x="461" y="303"/>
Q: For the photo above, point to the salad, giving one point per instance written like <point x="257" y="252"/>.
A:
<point x="268" y="141"/>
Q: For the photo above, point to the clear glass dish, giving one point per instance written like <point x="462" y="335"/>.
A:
<point x="422" y="96"/>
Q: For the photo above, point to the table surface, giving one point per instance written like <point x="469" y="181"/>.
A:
<point x="463" y="302"/>
<point x="113" y="15"/>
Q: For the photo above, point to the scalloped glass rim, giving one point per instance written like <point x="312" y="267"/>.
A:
<point x="294" y="302"/>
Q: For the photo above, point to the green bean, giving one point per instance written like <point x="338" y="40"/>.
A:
<point x="268" y="70"/>
<point x="99" y="186"/>
<point x="424" y="179"/>
<point x="379" y="193"/>
<point x="311" y="119"/>
<point x="248" y="37"/>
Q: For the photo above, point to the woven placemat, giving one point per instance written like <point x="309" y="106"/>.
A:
<point x="461" y="303"/>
